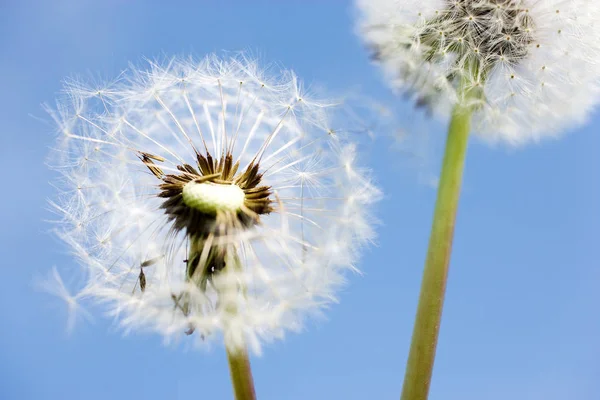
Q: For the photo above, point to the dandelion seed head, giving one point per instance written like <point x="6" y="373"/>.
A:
<point x="209" y="198"/>
<point x="534" y="62"/>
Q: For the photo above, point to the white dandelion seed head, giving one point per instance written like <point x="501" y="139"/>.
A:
<point x="536" y="63"/>
<point x="209" y="198"/>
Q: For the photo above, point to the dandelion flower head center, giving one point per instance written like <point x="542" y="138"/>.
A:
<point x="478" y="32"/>
<point x="211" y="198"/>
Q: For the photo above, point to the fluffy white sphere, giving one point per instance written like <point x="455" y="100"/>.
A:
<point x="537" y="62"/>
<point x="244" y="262"/>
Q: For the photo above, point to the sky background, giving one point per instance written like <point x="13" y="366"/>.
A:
<point x="521" y="318"/>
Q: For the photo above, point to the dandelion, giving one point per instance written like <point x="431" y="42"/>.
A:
<point x="210" y="199"/>
<point x="529" y="68"/>
<point x="516" y="70"/>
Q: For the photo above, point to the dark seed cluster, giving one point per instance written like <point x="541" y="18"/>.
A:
<point x="200" y="226"/>
<point x="478" y="33"/>
<point x="482" y="29"/>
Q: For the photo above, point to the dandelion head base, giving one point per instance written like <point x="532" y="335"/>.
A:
<point x="210" y="202"/>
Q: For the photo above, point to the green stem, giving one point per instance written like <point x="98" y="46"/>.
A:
<point x="431" y="300"/>
<point x="241" y="375"/>
<point x="239" y="363"/>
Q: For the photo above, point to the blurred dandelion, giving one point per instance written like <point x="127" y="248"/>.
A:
<point x="210" y="198"/>
<point x="517" y="70"/>
<point x="533" y="63"/>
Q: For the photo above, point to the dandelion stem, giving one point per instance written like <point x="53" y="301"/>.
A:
<point x="241" y="375"/>
<point x="239" y="362"/>
<point x="419" y="367"/>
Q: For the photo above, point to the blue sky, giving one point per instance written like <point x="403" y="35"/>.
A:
<point x="521" y="319"/>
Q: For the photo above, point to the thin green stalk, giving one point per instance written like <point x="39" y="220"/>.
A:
<point x="241" y="375"/>
<point x="431" y="300"/>
<point x="239" y="362"/>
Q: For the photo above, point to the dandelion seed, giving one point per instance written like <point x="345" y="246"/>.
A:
<point x="535" y="62"/>
<point x="54" y="285"/>
<point x="207" y="198"/>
